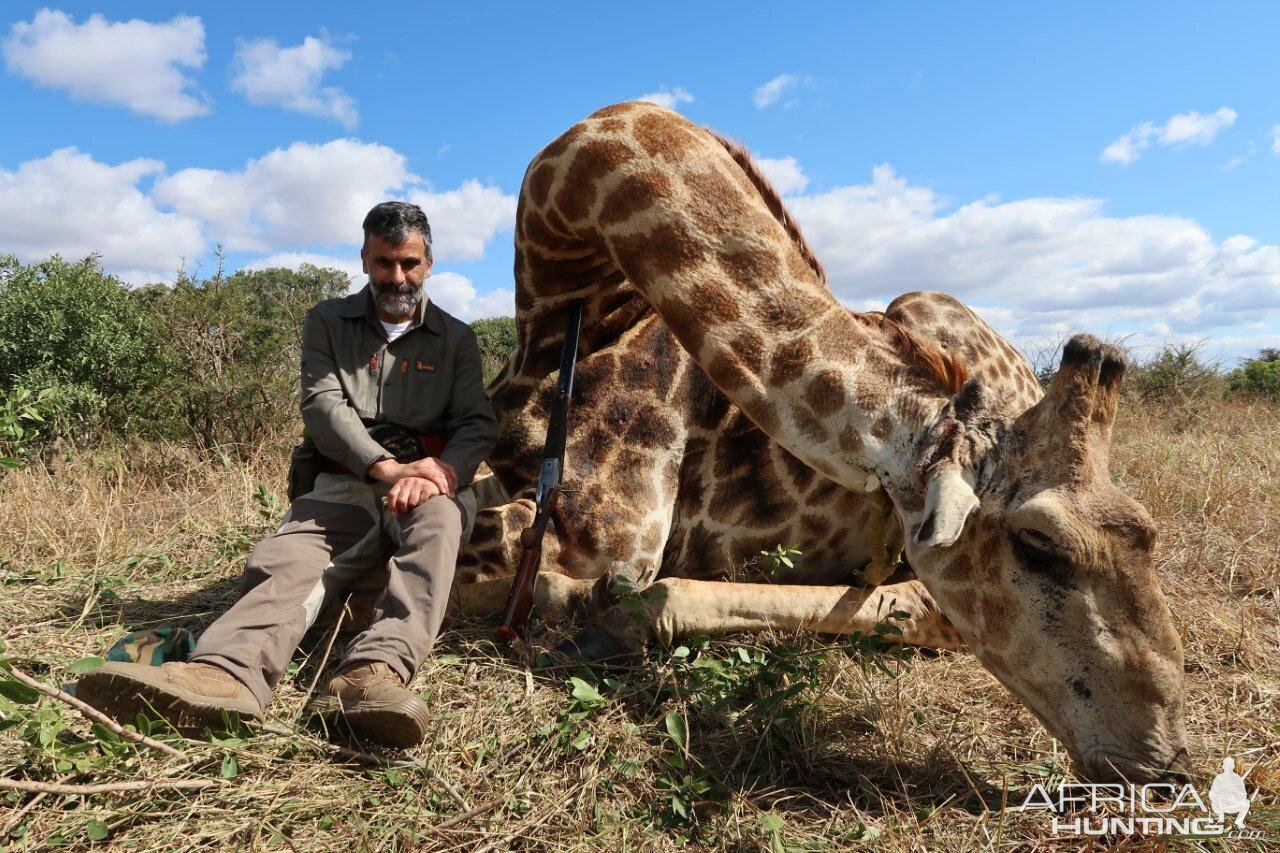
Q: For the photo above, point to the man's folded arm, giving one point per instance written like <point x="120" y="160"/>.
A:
<point x="330" y="419"/>
<point x="470" y="422"/>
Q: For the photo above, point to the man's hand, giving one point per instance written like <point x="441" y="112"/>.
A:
<point x="410" y="492"/>
<point x="436" y="471"/>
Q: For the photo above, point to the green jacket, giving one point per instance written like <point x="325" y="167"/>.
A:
<point x="429" y="380"/>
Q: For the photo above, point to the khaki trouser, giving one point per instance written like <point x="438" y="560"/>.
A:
<point x="329" y="536"/>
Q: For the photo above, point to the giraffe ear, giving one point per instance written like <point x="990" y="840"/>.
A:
<point x="948" y="502"/>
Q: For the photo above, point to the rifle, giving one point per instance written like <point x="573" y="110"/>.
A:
<point x="551" y="469"/>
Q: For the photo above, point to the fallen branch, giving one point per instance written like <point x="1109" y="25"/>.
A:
<point x="104" y="788"/>
<point x="91" y="712"/>
<point x="27" y="809"/>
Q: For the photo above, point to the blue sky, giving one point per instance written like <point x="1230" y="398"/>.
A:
<point x="921" y="146"/>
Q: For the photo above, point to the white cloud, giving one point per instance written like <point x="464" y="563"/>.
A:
<point x="289" y="77"/>
<point x="1039" y="267"/>
<point x="784" y="173"/>
<point x="292" y="260"/>
<point x="456" y="294"/>
<point x="669" y="98"/>
<point x="71" y="204"/>
<point x="308" y="196"/>
<point x="303" y="195"/>
<point x="1195" y="129"/>
<point x="463" y="221"/>
<point x="1127" y="149"/>
<point x="495" y="303"/>
<point x="291" y="205"/>
<point x="1250" y="149"/>
<point x="770" y="93"/>
<point x="136" y="64"/>
<point x="1275" y="140"/>
<point x="1183" y="129"/>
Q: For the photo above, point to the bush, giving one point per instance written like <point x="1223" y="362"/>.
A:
<point x="1260" y="376"/>
<point x="21" y="416"/>
<point x="234" y="342"/>
<point x="497" y="340"/>
<point x="1176" y="374"/>
<point x="81" y="342"/>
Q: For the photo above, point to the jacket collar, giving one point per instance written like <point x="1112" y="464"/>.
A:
<point x="360" y="304"/>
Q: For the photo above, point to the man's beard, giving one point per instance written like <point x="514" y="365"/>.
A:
<point x="396" y="300"/>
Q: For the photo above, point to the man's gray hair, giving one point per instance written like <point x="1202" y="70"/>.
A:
<point x="393" y="220"/>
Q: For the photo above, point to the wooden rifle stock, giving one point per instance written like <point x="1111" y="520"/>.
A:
<point x="525" y="583"/>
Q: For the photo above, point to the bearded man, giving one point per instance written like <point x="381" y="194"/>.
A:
<point x="397" y="422"/>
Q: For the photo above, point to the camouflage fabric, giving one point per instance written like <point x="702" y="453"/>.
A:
<point x="162" y="645"/>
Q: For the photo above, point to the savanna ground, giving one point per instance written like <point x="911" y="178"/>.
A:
<point x="780" y="743"/>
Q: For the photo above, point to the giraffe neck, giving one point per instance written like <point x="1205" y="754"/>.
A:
<point x="836" y="391"/>
<point x="668" y="206"/>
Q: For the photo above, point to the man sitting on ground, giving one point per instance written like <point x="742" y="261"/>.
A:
<point x="394" y="402"/>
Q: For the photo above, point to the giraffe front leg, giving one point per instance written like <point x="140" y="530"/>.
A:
<point x="556" y="596"/>
<point x="679" y="607"/>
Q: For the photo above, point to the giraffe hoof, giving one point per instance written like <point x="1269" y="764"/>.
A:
<point x="594" y="645"/>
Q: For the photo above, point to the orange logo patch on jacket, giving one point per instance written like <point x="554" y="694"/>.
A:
<point x="423" y="366"/>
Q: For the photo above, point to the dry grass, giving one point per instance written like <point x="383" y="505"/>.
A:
<point x="898" y="752"/>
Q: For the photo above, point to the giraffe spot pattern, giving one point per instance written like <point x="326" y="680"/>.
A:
<point x="634" y="193"/>
<point x="594" y="159"/>
<point x="665" y="136"/>
<point x="825" y="392"/>
<point x="790" y="360"/>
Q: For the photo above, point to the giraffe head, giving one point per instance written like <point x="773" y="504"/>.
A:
<point x="1047" y="568"/>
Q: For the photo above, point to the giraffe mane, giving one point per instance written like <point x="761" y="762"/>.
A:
<point x="945" y="368"/>
<point x="773" y="201"/>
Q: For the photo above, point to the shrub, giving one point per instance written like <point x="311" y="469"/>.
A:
<point x="1176" y="374"/>
<point x="1260" y="376"/>
<point x="21" y="416"/>
<point x="79" y="340"/>
<point x="235" y="343"/>
<point x="1044" y="358"/>
<point x="497" y="340"/>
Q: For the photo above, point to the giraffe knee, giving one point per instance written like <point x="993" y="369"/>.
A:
<point x="646" y="615"/>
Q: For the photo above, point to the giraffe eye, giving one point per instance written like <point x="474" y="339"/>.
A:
<point x="1037" y="553"/>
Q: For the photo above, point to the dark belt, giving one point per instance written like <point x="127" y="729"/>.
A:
<point x="427" y="445"/>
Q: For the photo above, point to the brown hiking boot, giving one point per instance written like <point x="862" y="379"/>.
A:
<point x="374" y="702"/>
<point x="190" y="696"/>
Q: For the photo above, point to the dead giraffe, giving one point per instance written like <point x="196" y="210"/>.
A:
<point x="1003" y="505"/>
<point x="1042" y="566"/>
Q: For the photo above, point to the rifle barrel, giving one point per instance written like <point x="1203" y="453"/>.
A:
<point x="558" y="429"/>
